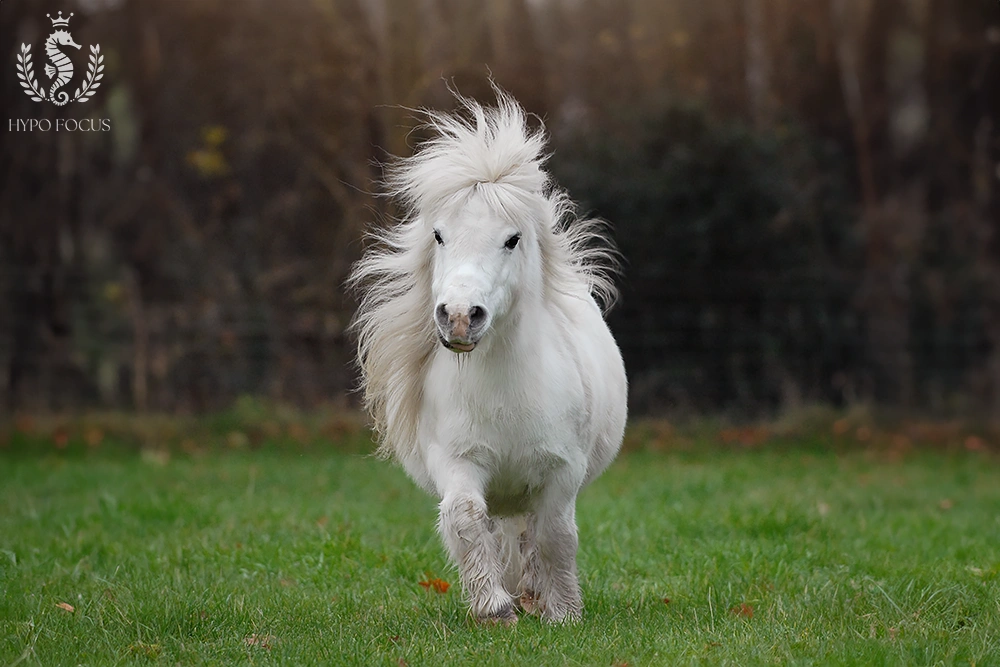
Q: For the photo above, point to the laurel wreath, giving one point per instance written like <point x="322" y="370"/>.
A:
<point x="95" y="72"/>
<point x="26" y="74"/>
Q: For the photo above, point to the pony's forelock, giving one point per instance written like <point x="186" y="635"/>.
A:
<point x="471" y="147"/>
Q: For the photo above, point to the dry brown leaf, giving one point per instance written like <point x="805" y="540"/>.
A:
<point x="67" y="606"/>
<point x="298" y="432"/>
<point x="263" y="641"/>
<point x="94" y="436"/>
<point x="901" y="443"/>
<point x="742" y="609"/>
<point x="975" y="444"/>
<point x="61" y="438"/>
<point x="24" y="424"/>
<point x="439" y="585"/>
<point x="157" y="457"/>
<point x="151" y="651"/>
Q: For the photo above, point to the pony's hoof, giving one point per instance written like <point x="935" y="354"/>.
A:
<point x="565" y="618"/>
<point x="530" y="603"/>
<point x="503" y="616"/>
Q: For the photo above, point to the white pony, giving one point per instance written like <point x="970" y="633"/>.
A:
<point x="487" y="366"/>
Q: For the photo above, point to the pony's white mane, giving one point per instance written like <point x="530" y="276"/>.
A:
<point x="471" y="147"/>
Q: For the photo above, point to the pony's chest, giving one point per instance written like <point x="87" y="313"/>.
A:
<point x="516" y="475"/>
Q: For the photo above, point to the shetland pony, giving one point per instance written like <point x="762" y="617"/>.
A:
<point x="487" y="367"/>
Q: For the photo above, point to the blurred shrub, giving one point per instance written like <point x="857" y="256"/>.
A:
<point x="741" y="257"/>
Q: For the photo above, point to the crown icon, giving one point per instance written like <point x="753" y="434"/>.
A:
<point x="60" y="22"/>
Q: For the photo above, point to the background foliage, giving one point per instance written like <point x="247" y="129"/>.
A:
<point x="805" y="193"/>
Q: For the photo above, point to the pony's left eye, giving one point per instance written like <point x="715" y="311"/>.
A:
<point x="437" y="237"/>
<point x="512" y="242"/>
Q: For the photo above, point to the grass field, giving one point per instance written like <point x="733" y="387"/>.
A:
<point x="713" y="555"/>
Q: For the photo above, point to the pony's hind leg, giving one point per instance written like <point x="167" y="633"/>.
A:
<point x="473" y="540"/>
<point x="511" y="530"/>
<point x="530" y="582"/>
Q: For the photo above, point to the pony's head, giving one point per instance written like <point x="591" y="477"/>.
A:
<point x="478" y="191"/>
<point x="486" y="259"/>
<point x="485" y="238"/>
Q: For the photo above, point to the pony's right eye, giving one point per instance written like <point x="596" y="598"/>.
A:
<point x="437" y="237"/>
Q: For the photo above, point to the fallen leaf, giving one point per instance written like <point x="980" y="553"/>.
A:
<point x="158" y="457"/>
<point x="984" y="572"/>
<point x="975" y="444"/>
<point x="298" y="432"/>
<point x="440" y="585"/>
<point x="94" y="436"/>
<point x="666" y="600"/>
<point x="144" y="649"/>
<point x="901" y="443"/>
<point x="742" y="609"/>
<point x="24" y="424"/>
<point x="748" y="436"/>
<point x="893" y="632"/>
<point x="263" y="641"/>
<point x="60" y="438"/>
<point x="65" y="605"/>
<point x="402" y="663"/>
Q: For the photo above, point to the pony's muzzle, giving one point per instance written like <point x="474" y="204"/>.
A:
<point x="459" y="326"/>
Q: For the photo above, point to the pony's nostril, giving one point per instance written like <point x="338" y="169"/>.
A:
<point x="477" y="315"/>
<point x="441" y="315"/>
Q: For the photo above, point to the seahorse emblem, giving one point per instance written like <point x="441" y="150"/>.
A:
<point x="60" y="67"/>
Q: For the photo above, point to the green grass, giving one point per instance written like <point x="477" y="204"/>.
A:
<point x="768" y="556"/>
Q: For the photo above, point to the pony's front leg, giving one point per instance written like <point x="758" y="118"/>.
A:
<point x="551" y="587"/>
<point x="472" y="538"/>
